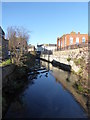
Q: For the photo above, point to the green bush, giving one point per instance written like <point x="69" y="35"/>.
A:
<point x="80" y="88"/>
<point x="68" y="59"/>
<point x="7" y="62"/>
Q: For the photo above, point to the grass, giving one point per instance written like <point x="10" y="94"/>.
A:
<point x="6" y="62"/>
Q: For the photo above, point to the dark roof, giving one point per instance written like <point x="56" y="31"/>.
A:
<point x="1" y="31"/>
<point x="52" y="45"/>
<point x="46" y="45"/>
<point x="39" y="45"/>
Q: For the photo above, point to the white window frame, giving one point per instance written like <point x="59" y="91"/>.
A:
<point x="77" y="40"/>
<point x="83" y="39"/>
<point x="71" y="40"/>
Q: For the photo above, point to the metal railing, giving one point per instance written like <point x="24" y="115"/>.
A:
<point x="75" y="46"/>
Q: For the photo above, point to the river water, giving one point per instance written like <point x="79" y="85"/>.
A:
<point x="46" y="96"/>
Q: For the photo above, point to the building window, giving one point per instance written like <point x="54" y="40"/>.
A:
<point x="71" y="40"/>
<point x="83" y="39"/>
<point x="77" y="40"/>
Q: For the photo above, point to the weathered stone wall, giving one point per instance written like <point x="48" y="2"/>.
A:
<point x="73" y="55"/>
<point x="6" y="71"/>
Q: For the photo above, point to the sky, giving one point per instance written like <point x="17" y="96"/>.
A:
<point x="46" y="21"/>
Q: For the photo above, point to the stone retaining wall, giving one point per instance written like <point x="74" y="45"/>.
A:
<point x="73" y="54"/>
<point x="6" y="71"/>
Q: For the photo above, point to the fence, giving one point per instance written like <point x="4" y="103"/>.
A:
<point x="75" y="46"/>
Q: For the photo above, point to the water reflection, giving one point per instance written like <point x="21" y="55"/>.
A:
<point x="45" y="97"/>
<point x="67" y="79"/>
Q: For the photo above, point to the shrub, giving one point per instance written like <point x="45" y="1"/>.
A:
<point x="80" y="88"/>
<point x="7" y="62"/>
<point x="68" y="59"/>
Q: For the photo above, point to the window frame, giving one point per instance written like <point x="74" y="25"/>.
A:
<point x="84" y="39"/>
<point x="76" y="40"/>
<point x="71" y="39"/>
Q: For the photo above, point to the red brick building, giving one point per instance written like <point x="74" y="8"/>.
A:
<point x="72" y="40"/>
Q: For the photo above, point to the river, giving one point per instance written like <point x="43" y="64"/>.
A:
<point x="47" y="96"/>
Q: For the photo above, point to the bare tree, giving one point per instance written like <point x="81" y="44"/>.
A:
<point x="11" y="36"/>
<point x="18" y="37"/>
